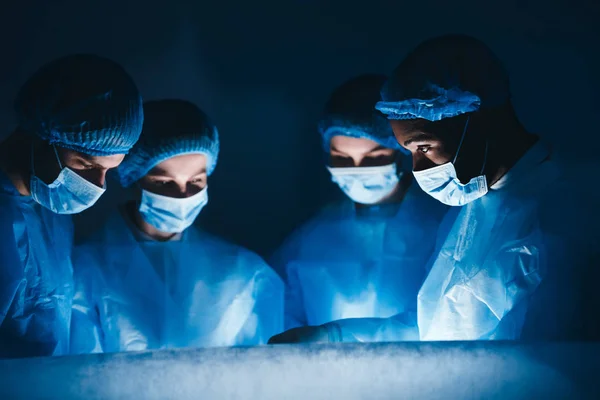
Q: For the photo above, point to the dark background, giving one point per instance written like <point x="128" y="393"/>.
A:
<point x="263" y="70"/>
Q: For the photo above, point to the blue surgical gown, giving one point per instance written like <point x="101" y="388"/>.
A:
<point x="518" y="263"/>
<point x="350" y="262"/>
<point x="133" y="293"/>
<point x="36" y="276"/>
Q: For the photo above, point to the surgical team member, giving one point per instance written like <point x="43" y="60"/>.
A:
<point x="150" y="280"/>
<point x="363" y="256"/>
<point x="78" y="116"/>
<point x="517" y="253"/>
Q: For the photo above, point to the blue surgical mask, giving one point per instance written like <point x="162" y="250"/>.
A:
<point x="171" y="214"/>
<point x="366" y="185"/>
<point x="68" y="194"/>
<point x="442" y="183"/>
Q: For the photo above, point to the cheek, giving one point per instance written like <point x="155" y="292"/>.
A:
<point x="195" y="189"/>
<point x="165" y="190"/>
<point x="439" y="158"/>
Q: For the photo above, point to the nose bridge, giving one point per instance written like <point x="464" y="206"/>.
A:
<point x="182" y="189"/>
<point x="101" y="178"/>
<point x="357" y="159"/>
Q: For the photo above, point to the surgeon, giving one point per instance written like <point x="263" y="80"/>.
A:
<point x="364" y="255"/>
<point x="148" y="279"/>
<point x="517" y="253"/>
<point x="78" y="116"/>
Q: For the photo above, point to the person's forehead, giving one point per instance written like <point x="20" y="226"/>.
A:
<point x="181" y="165"/>
<point x="346" y="143"/>
<point x="410" y="131"/>
<point x="110" y="161"/>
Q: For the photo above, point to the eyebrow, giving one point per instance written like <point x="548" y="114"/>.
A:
<point x="419" y="137"/>
<point x="378" y="148"/>
<point x="92" y="164"/>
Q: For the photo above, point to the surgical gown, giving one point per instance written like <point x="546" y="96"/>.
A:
<point x="350" y="262"/>
<point x="36" y="276"/>
<point x="519" y="263"/>
<point x="133" y="293"/>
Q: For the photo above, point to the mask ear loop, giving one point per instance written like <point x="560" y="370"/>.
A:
<point x="484" y="157"/>
<point x="461" y="139"/>
<point x="57" y="157"/>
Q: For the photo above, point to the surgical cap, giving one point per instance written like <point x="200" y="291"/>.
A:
<point x="444" y="77"/>
<point x="82" y="102"/>
<point x="350" y="112"/>
<point x="171" y="128"/>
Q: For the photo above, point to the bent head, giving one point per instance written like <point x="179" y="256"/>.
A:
<point x="83" y="113"/>
<point x="449" y="105"/>
<point x="363" y="155"/>
<point x="436" y="143"/>
<point x="173" y="193"/>
<point x="47" y="164"/>
<point x="170" y="164"/>
<point x="67" y="181"/>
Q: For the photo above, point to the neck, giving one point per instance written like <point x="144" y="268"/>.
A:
<point x="508" y="153"/>
<point x="396" y="196"/>
<point x="15" y="161"/>
<point x="135" y="215"/>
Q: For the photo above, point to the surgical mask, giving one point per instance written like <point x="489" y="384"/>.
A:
<point x="171" y="214"/>
<point x="441" y="182"/>
<point x="366" y="185"/>
<point x="68" y="194"/>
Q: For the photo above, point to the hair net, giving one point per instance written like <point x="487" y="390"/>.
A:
<point x="82" y="102"/>
<point x="171" y="128"/>
<point x="350" y="112"/>
<point x="444" y="77"/>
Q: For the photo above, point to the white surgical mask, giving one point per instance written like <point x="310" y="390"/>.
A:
<point x="171" y="214"/>
<point x="442" y="183"/>
<point x="366" y="185"/>
<point x="68" y="194"/>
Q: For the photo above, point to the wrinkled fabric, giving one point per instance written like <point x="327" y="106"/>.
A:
<point x="349" y="112"/>
<point x="366" y="185"/>
<point x="36" y="276"/>
<point x="444" y="77"/>
<point x="435" y="103"/>
<point x="172" y="214"/>
<point x="350" y="263"/>
<point x="199" y="291"/>
<point x="516" y="264"/>
<point x="82" y="102"/>
<point x="171" y="128"/>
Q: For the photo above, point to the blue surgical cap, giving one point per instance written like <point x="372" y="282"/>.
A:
<point x="84" y="103"/>
<point x="444" y="77"/>
<point x="171" y="128"/>
<point x="350" y="112"/>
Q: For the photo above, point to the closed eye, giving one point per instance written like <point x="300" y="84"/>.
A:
<point x="160" y="183"/>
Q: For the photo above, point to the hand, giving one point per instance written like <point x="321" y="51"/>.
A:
<point x="304" y="334"/>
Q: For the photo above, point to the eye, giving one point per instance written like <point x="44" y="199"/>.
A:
<point x="341" y="161"/>
<point x="83" y="167"/>
<point x="423" y="149"/>
<point x="196" y="180"/>
<point x="160" y="183"/>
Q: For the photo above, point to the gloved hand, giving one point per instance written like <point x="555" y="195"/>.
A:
<point x="304" y="334"/>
